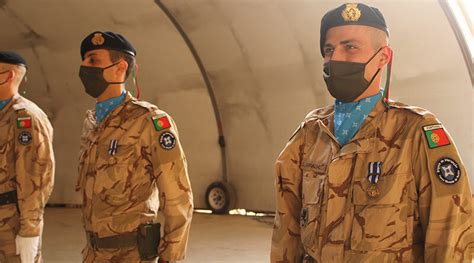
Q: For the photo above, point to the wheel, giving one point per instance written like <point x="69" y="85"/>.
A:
<point x="220" y="197"/>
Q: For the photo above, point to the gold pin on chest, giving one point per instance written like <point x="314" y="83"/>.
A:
<point x="373" y="191"/>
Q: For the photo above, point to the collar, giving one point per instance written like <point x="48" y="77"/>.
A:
<point x="91" y="114"/>
<point x="15" y="104"/>
<point x="4" y="103"/>
<point x="102" y="109"/>
<point x="364" y="138"/>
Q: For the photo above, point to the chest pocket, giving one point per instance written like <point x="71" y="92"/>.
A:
<point x="380" y="222"/>
<point x="115" y="170"/>
<point x="312" y="189"/>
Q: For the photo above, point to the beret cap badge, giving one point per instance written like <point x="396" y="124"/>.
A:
<point x="98" y="39"/>
<point x="351" y="13"/>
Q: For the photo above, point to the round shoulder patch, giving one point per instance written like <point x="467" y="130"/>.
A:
<point x="167" y="140"/>
<point x="25" y="138"/>
<point x="447" y="170"/>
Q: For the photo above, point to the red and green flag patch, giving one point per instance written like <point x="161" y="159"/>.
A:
<point x="23" y="122"/>
<point x="161" y="122"/>
<point x="436" y="136"/>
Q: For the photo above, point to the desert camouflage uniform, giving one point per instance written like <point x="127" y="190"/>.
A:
<point x="28" y="169"/>
<point x="324" y="210"/>
<point x="124" y="189"/>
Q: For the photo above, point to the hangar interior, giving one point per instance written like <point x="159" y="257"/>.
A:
<point x="238" y="76"/>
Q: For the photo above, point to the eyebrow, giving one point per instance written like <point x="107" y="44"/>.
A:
<point x="349" y="41"/>
<point x="91" y="54"/>
<point x="343" y="42"/>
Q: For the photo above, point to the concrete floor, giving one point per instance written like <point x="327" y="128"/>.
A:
<point x="213" y="238"/>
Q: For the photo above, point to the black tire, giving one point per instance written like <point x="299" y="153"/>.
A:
<point x="220" y="198"/>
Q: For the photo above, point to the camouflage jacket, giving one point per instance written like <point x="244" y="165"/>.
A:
<point x="394" y="193"/>
<point x="131" y="166"/>
<point x="26" y="166"/>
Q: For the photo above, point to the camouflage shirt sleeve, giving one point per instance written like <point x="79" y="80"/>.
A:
<point x="176" y="200"/>
<point x="286" y="241"/>
<point x="87" y="126"/>
<point x="34" y="166"/>
<point x="444" y="195"/>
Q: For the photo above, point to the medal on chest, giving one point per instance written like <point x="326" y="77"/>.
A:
<point x="375" y="170"/>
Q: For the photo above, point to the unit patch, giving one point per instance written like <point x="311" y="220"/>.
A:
<point x="25" y="138"/>
<point x="448" y="170"/>
<point x="167" y="141"/>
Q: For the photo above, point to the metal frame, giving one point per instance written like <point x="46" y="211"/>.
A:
<point x="460" y="37"/>
<point x="202" y="69"/>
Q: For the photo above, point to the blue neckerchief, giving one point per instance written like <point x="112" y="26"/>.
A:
<point x="4" y="103"/>
<point x="102" y="109"/>
<point x="348" y="117"/>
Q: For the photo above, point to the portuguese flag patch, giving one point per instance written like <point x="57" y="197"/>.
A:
<point x="23" y="122"/>
<point x="161" y="122"/>
<point x="436" y="136"/>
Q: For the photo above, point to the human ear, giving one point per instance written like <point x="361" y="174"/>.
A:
<point x="122" y="68"/>
<point x="386" y="53"/>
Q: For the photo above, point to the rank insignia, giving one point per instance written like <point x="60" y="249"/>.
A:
<point x="448" y="170"/>
<point x="25" y="138"/>
<point x="436" y="136"/>
<point x="375" y="170"/>
<point x="97" y="39"/>
<point x="167" y="141"/>
<point x="161" y="122"/>
<point x="113" y="147"/>
<point x="351" y="13"/>
<point x="23" y="122"/>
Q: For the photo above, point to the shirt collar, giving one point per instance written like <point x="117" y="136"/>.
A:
<point x="4" y="103"/>
<point x="102" y="109"/>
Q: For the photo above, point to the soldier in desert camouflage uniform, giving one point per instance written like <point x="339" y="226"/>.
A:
<point x="367" y="179"/>
<point x="26" y="166"/>
<point x="131" y="165"/>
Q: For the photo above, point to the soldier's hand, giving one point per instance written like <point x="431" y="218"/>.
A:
<point x="27" y="248"/>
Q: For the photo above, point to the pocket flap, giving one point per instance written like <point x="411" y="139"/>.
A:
<point x="313" y="182"/>
<point x="391" y="190"/>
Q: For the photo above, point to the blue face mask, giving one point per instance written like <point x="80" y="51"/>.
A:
<point x="349" y="117"/>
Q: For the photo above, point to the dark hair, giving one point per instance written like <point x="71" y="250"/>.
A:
<point x="115" y="56"/>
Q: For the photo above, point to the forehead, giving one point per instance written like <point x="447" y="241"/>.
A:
<point x="97" y="53"/>
<point x="6" y="66"/>
<point x="349" y="32"/>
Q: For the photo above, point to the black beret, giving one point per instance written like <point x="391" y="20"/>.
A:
<point x="351" y="14"/>
<point x="10" y="57"/>
<point x="106" y="40"/>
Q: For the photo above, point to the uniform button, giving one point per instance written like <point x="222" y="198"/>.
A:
<point x="111" y="160"/>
